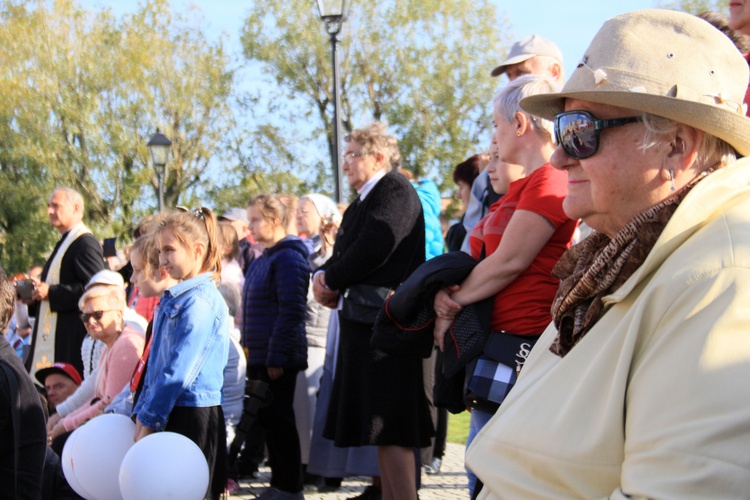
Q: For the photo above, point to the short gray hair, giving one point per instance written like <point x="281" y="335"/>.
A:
<point x="711" y="152"/>
<point x="507" y="102"/>
<point x="71" y="195"/>
<point x="375" y="138"/>
<point x="113" y="294"/>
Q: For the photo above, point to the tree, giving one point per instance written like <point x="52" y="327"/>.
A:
<point x="697" y="6"/>
<point x="80" y="95"/>
<point x="421" y="65"/>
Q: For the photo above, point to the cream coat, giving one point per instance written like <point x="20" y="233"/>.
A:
<point x="654" y="402"/>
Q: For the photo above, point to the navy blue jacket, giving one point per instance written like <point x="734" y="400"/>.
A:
<point x="273" y="306"/>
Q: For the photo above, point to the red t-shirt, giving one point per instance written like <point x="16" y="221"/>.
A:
<point x="523" y="307"/>
<point x="145" y="306"/>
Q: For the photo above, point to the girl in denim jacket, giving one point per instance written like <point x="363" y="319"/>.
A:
<point x="182" y="386"/>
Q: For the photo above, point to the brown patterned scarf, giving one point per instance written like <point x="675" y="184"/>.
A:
<point x="598" y="266"/>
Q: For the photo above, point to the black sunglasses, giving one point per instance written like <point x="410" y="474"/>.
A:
<point x="97" y="315"/>
<point x="578" y="132"/>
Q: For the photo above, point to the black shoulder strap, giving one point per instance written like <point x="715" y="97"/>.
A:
<point x="15" y="417"/>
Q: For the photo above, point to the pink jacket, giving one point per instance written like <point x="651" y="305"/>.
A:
<point x="115" y="370"/>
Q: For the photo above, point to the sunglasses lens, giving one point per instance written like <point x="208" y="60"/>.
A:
<point x="576" y="134"/>
<point x="97" y="315"/>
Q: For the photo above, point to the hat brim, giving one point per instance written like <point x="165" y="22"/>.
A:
<point x="44" y="372"/>
<point x="732" y="127"/>
<point x="509" y="62"/>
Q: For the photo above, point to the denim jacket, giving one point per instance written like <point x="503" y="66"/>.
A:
<point x="188" y="353"/>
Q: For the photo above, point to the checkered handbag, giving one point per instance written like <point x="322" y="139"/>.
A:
<point x="491" y="376"/>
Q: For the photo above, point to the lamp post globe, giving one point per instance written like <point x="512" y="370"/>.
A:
<point x="333" y="13"/>
<point x="159" y="147"/>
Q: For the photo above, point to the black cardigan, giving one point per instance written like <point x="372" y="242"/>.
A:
<point x="381" y="239"/>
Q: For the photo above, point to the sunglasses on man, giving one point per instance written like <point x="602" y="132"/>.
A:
<point x="578" y="132"/>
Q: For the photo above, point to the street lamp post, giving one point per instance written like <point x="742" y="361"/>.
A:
<point x="333" y="13"/>
<point x="159" y="147"/>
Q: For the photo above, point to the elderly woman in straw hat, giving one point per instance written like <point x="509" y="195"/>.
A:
<point x="636" y="388"/>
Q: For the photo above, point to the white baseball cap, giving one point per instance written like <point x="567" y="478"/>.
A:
<point x="236" y="213"/>
<point x="106" y="277"/>
<point x="531" y="46"/>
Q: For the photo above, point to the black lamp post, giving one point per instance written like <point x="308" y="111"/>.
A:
<point x="333" y="13"/>
<point x="159" y="147"/>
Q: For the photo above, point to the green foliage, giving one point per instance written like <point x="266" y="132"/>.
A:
<point x="420" y="65"/>
<point x="24" y="231"/>
<point x="80" y="95"/>
<point x="81" y="92"/>
<point x="458" y="427"/>
<point x="262" y="163"/>
<point x="697" y="6"/>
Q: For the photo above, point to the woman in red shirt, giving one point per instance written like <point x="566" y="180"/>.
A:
<point x="524" y="234"/>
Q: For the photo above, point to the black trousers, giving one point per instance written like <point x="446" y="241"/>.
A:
<point x="205" y="427"/>
<point x="280" y="429"/>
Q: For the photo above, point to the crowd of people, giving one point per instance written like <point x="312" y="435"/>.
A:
<point x="588" y="308"/>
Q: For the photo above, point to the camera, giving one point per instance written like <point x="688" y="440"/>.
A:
<point x="24" y="289"/>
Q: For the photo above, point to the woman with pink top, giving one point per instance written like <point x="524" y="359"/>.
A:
<point x="102" y="307"/>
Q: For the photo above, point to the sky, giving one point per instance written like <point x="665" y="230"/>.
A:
<point x="571" y="24"/>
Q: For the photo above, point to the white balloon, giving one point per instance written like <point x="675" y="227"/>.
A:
<point x="164" y="465"/>
<point x="68" y="466"/>
<point x="97" y="454"/>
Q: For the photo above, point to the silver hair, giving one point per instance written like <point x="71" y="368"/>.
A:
<point x="507" y="102"/>
<point x="71" y="195"/>
<point x="375" y="138"/>
<point x="712" y="150"/>
<point x="114" y="295"/>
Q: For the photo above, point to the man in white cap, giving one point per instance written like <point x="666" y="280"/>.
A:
<point x="533" y="55"/>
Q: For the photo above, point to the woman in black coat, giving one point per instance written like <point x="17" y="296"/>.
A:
<point x="377" y="399"/>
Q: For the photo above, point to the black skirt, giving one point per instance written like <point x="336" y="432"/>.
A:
<point x="205" y="427"/>
<point x="377" y="399"/>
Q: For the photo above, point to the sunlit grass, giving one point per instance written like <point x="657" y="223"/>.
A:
<point x="458" y="427"/>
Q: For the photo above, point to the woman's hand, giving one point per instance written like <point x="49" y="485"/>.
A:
<point x="446" y="310"/>
<point x="103" y="403"/>
<point x="274" y="372"/>
<point x="53" y="420"/>
<point x="141" y="431"/>
<point x="56" y="431"/>
<point x="328" y="229"/>
<point x="445" y="306"/>
<point x="324" y="296"/>
<point x="441" y="326"/>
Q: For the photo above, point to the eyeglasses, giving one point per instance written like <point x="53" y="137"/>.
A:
<point x="578" y="132"/>
<point x="97" y="315"/>
<point x="349" y="157"/>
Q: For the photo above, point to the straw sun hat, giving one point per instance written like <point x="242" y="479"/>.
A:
<point x="666" y="63"/>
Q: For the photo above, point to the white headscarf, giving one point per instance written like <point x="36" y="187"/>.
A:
<point x="325" y="206"/>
